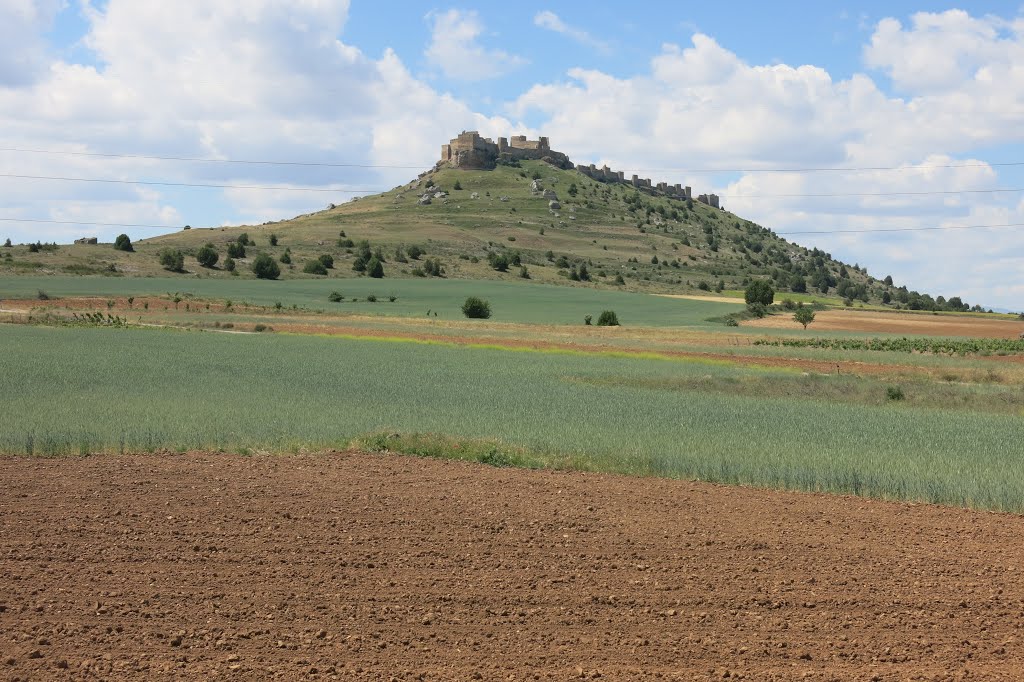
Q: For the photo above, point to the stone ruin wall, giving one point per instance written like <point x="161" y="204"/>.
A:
<point x="472" y="152"/>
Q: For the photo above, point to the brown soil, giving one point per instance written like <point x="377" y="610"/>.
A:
<point x="370" y="567"/>
<point x="875" y="322"/>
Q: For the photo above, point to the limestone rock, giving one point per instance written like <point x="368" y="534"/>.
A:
<point x="550" y="194"/>
<point x="535" y="186"/>
<point x="554" y="205"/>
<point x="474" y="195"/>
<point x="424" y="200"/>
<point x="502" y="198"/>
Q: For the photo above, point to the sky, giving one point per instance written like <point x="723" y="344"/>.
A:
<point x="881" y="132"/>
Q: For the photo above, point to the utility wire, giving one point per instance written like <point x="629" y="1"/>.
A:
<point x="190" y="184"/>
<point x="810" y="169"/>
<point x="894" y="229"/>
<point x="370" y="191"/>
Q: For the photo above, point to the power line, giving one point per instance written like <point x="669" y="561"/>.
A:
<point x="255" y="162"/>
<point x="277" y="188"/>
<point x="263" y="162"/>
<point x="905" y="229"/>
<point x="281" y="188"/>
<point x="884" y="229"/>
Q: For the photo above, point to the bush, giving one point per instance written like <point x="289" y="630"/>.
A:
<point x="173" y="260"/>
<point x="499" y="263"/>
<point x="433" y="268"/>
<point x="229" y="264"/>
<point x="759" y="291"/>
<point x="335" y="297"/>
<point x="207" y="256"/>
<point x="273" y="239"/>
<point x="7" y="243"/>
<point x="371" y="298"/>
<point x="524" y="273"/>
<point x="476" y="308"/>
<point x="122" y="243"/>
<point x="608" y="318"/>
<point x="346" y="243"/>
<point x="374" y="268"/>
<point x="328" y="260"/>
<point x="264" y="267"/>
<point x="314" y="267"/>
<point x="457" y="185"/>
<point x="236" y="250"/>
<point x="587" y="319"/>
<point x="34" y="248"/>
<point x="286" y="257"/>
<point x="260" y="328"/>
<point x="894" y="393"/>
<point x="244" y="240"/>
<point x="619" y="280"/>
<point x="414" y="252"/>
<point x="757" y="309"/>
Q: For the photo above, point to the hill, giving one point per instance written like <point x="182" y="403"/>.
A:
<point x="501" y="223"/>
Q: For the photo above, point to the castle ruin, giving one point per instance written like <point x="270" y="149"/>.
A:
<point x="470" y="151"/>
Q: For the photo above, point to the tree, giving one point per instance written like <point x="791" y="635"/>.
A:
<point x="7" y="243"/>
<point x="414" y="252"/>
<point x="608" y="318"/>
<point x="273" y="239"/>
<point x="286" y="257"/>
<point x="314" y="267"/>
<point x="122" y="243"/>
<point x="229" y="264"/>
<point x="375" y="268"/>
<point x="236" y="250"/>
<point x="328" y="260"/>
<point x="476" y="308"/>
<point x="173" y="260"/>
<point x="264" y="267"/>
<point x="804" y="315"/>
<point x="759" y="291"/>
<point x="207" y="256"/>
<point x="888" y="280"/>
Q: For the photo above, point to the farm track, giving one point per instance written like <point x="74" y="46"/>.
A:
<point x="373" y="567"/>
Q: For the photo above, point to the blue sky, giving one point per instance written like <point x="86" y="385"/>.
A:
<point x="678" y="86"/>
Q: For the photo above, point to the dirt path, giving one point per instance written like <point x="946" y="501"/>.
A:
<point x="367" y="567"/>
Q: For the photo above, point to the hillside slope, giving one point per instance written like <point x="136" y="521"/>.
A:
<point x="598" y="234"/>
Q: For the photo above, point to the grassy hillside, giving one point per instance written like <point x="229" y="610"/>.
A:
<point x="654" y="244"/>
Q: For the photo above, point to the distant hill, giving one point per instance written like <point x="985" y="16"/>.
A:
<point x="543" y="222"/>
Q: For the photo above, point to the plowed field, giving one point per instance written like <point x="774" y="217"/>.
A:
<point x="369" y="567"/>
<point x="873" y="321"/>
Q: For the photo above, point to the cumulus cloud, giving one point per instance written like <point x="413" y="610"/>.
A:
<point x="267" y="79"/>
<point x="455" y="49"/>
<point x="547" y="19"/>
<point x="22" y="24"/>
<point x="701" y="106"/>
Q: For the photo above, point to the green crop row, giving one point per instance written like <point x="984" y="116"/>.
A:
<point x="905" y="345"/>
<point x="138" y="389"/>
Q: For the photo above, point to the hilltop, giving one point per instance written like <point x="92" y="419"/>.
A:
<point x="509" y="211"/>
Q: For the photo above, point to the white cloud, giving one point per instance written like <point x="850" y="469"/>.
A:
<point x="267" y="79"/>
<point x="549" y="20"/>
<point x="455" y="49"/>
<point x="704" y="107"/>
<point x="22" y="23"/>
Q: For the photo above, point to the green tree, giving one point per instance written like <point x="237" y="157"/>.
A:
<point x="236" y="250"/>
<point x="122" y="243"/>
<point x="265" y="267"/>
<point x="273" y="239"/>
<point x="759" y="291"/>
<point x="476" y="308"/>
<point x="608" y="318"/>
<point x="328" y="260"/>
<point x="207" y="256"/>
<point x="173" y="260"/>
<point x="804" y="315"/>
<point x="375" y="268"/>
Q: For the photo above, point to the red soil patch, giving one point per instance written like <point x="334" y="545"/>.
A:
<point x="874" y="322"/>
<point x="364" y="567"/>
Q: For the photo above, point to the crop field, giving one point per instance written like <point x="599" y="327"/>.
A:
<point x="137" y="389"/>
<point x="511" y="301"/>
<point x="912" y="323"/>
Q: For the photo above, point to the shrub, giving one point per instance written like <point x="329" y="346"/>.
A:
<point x="328" y="260"/>
<point x="173" y="260"/>
<point x="264" y="267"/>
<point x="34" y="248"/>
<point x="314" y="267"/>
<point x="498" y="262"/>
<point x="374" y="268"/>
<point x="273" y="239"/>
<point x="236" y="250"/>
<point x="457" y="185"/>
<point x="759" y="291"/>
<point x="476" y="308"/>
<point x="757" y="309"/>
<point x="788" y="304"/>
<point x="392" y="298"/>
<point x="371" y="298"/>
<point x="704" y="286"/>
<point x="414" y="252"/>
<point x="7" y="243"/>
<point x="260" y="328"/>
<point x="894" y="393"/>
<point x="433" y="268"/>
<point x="207" y="256"/>
<point x="244" y="240"/>
<point x="335" y="297"/>
<point x="608" y="318"/>
<point x="346" y="243"/>
<point x="619" y="280"/>
<point x="229" y="264"/>
<point x="524" y="273"/>
<point x="286" y="257"/>
<point x="122" y="243"/>
<point x="587" y="319"/>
